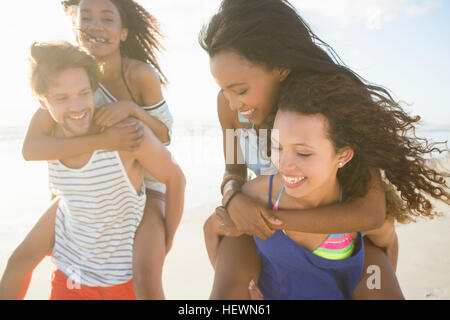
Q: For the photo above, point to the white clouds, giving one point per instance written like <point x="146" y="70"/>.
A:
<point x="372" y="14"/>
<point x="415" y="10"/>
<point x="346" y="13"/>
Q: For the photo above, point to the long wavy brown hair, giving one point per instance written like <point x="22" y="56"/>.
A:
<point x="382" y="136"/>
<point x="144" y="34"/>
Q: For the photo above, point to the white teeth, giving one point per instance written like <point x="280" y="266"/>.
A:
<point x="98" y="40"/>
<point x="246" y="113"/>
<point x="81" y="116"/>
<point x="291" y="180"/>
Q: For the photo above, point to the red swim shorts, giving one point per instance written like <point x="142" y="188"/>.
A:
<point x="61" y="290"/>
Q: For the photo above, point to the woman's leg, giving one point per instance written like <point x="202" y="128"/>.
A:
<point x="378" y="280"/>
<point x="36" y="245"/>
<point x="237" y="263"/>
<point x="149" y="251"/>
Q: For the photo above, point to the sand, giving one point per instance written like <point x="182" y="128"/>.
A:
<point x="423" y="266"/>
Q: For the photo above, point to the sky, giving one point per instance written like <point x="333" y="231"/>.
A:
<point x="400" y="44"/>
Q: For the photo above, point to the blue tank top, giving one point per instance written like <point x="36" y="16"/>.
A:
<point x="291" y="272"/>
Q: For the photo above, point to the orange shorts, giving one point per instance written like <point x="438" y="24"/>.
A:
<point x="61" y="291"/>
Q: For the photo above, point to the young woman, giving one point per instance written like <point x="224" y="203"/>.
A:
<point x="124" y="37"/>
<point x="327" y="133"/>
<point x="254" y="46"/>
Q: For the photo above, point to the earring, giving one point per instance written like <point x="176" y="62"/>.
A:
<point x="341" y="164"/>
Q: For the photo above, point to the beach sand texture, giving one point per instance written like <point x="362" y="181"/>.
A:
<point x="424" y="254"/>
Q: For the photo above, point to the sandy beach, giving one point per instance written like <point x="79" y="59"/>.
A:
<point x="423" y="266"/>
<point x="424" y="254"/>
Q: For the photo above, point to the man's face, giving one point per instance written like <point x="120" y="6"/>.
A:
<point x="70" y="101"/>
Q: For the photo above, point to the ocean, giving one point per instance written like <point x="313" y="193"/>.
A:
<point x="196" y="147"/>
<point x="24" y="189"/>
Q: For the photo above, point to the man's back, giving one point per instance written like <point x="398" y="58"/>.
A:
<point x="98" y="214"/>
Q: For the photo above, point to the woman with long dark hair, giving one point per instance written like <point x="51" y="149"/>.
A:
<point x="254" y="45"/>
<point x="327" y="134"/>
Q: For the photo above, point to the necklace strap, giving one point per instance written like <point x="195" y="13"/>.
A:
<point x="125" y="82"/>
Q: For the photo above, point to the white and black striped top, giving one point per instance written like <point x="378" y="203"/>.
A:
<point x="96" y="220"/>
<point x="158" y="111"/>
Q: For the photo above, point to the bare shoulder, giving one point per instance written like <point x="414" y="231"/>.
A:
<point x="227" y="117"/>
<point x="144" y="77"/>
<point x="257" y="188"/>
<point x="139" y="69"/>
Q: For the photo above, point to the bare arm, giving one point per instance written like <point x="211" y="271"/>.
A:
<point x="39" y="144"/>
<point x="386" y="238"/>
<point x="158" y="162"/>
<point x="212" y="233"/>
<point x="217" y="225"/>
<point x="245" y="213"/>
<point x="146" y="81"/>
<point x="149" y="84"/>
<point x="360" y="214"/>
<point x="231" y="168"/>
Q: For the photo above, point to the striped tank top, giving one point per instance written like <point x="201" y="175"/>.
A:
<point x="159" y="111"/>
<point x="96" y="220"/>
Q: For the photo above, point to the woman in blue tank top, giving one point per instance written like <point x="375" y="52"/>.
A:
<point x="253" y="46"/>
<point x="319" y="162"/>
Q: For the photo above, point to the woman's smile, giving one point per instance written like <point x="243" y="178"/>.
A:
<point x="248" y="113"/>
<point x="293" y="181"/>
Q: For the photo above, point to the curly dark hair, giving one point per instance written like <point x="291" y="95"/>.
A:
<point x="381" y="134"/>
<point x="144" y="32"/>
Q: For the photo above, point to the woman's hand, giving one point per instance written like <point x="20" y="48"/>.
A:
<point x="112" y="113"/>
<point x="255" y="293"/>
<point x="126" y="135"/>
<point x="250" y="217"/>
<point x="226" y="226"/>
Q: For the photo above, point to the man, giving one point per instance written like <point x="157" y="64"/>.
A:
<point x="101" y="194"/>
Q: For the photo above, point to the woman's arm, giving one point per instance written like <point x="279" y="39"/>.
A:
<point x="230" y="148"/>
<point x="247" y="216"/>
<point x="212" y="233"/>
<point x="149" y="85"/>
<point x="39" y="144"/>
<point x="217" y="225"/>
<point x="146" y="81"/>
<point x="360" y="214"/>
